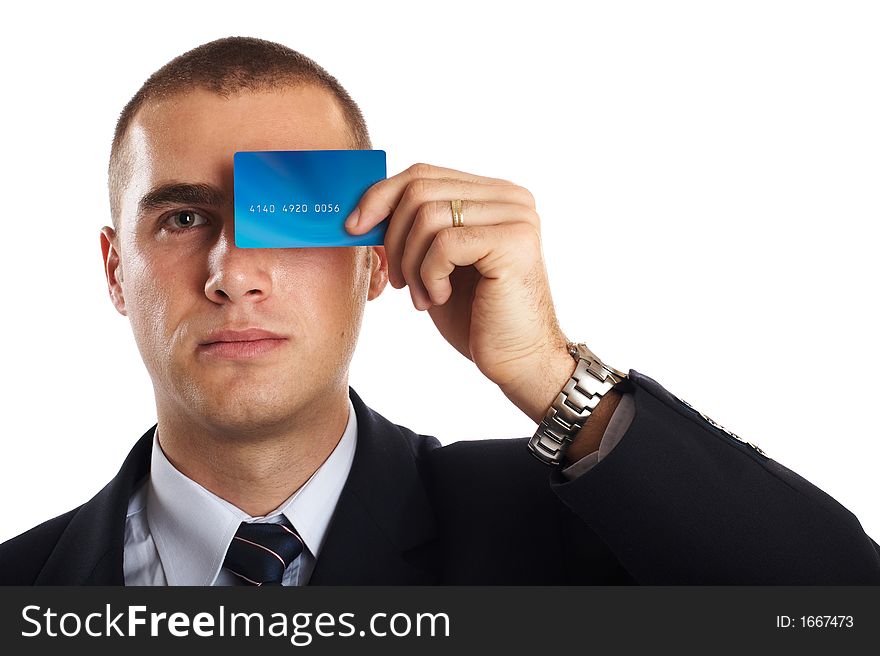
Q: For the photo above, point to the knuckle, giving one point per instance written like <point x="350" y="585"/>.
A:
<point x="446" y="237"/>
<point x="423" y="217"/>
<point x="373" y="194"/>
<point x="417" y="189"/>
<point x="528" y="197"/>
<point x="420" y="170"/>
<point x="528" y="232"/>
<point x="534" y="218"/>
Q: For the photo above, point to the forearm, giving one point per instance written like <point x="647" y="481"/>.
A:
<point x="683" y="502"/>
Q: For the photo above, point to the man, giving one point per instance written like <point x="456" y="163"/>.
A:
<point x="266" y="468"/>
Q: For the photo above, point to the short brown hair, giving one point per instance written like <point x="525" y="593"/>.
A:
<point x="226" y="66"/>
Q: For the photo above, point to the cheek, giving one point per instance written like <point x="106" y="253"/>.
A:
<point x="154" y="300"/>
<point x="326" y="289"/>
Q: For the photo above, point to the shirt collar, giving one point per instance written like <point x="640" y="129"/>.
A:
<point x="192" y="527"/>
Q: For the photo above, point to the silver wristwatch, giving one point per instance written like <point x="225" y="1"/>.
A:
<point x="590" y="381"/>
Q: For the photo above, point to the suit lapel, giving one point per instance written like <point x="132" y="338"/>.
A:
<point x="382" y="532"/>
<point x="90" y="550"/>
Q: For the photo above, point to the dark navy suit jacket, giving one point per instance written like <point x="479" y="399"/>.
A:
<point x="677" y="501"/>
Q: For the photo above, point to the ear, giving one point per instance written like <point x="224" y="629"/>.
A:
<point x="378" y="271"/>
<point x="112" y="268"/>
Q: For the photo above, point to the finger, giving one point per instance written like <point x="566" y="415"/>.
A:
<point x="495" y="251"/>
<point x="433" y="217"/>
<point x="377" y="202"/>
<point x="426" y="190"/>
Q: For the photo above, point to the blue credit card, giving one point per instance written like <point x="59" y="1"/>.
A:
<point x="301" y="198"/>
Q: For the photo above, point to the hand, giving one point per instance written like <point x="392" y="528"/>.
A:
<point x="484" y="284"/>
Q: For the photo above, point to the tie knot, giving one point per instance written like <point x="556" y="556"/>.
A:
<point x="259" y="553"/>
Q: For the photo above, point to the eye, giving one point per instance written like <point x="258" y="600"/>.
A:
<point x="183" y="219"/>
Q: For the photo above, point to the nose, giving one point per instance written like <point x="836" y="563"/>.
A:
<point x="237" y="275"/>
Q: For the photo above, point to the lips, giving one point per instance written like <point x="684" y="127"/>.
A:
<point x="247" y="335"/>
<point x="250" y="343"/>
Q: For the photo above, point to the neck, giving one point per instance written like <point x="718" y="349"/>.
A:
<point x="255" y="470"/>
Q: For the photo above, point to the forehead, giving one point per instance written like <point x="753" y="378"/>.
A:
<point x="191" y="136"/>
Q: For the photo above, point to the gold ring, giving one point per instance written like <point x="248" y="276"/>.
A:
<point x="457" y="219"/>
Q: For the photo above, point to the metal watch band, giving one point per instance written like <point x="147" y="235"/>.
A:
<point x="590" y="381"/>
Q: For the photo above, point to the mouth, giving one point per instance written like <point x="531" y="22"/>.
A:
<point x="240" y="344"/>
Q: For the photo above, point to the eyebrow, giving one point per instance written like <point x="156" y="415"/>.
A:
<point x="181" y="193"/>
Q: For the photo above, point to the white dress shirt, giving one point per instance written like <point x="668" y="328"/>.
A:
<point x="177" y="532"/>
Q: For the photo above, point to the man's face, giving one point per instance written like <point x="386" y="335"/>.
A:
<point x="174" y="270"/>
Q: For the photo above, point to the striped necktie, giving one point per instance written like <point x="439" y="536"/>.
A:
<point x="259" y="553"/>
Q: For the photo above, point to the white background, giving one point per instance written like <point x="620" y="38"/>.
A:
<point x="706" y="175"/>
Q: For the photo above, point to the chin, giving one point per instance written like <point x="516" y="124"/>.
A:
<point x="245" y="408"/>
<point x="253" y="419"/>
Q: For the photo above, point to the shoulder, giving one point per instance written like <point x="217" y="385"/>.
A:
<point x="22" y="557"/>
<point x="475" y="470"/>
<point x="490" y="460"/>
<point x="503" y="456"/>
<point x="476" y="473"/>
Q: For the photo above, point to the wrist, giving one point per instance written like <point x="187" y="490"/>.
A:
<point x="570" y="416"/>
<point x="549" y="376"/>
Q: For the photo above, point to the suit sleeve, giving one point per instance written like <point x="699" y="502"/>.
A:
<point x="680" y="500"/>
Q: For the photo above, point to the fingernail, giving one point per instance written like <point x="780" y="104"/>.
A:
<point x="352" y="219"/>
